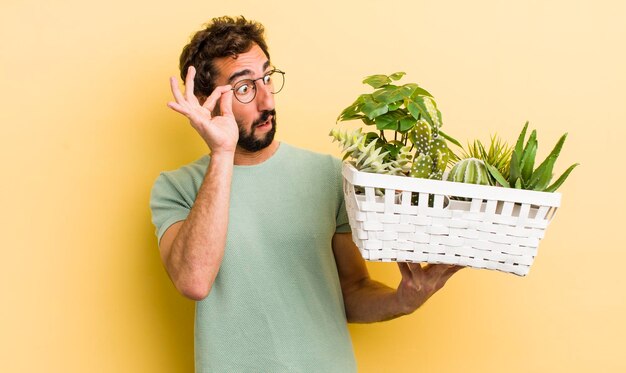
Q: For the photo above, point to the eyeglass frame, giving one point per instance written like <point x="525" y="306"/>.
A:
<point x="269" y="73"/>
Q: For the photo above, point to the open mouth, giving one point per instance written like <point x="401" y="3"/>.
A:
<point x="265" y="124"/>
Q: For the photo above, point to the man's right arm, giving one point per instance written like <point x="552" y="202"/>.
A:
<point x="192" y="250"/>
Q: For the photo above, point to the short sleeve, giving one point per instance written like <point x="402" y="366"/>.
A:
<point x="343" y="225"/>
<point x="167" y="203"/>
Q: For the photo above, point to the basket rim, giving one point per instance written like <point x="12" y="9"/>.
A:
<point x="487" y="192"/>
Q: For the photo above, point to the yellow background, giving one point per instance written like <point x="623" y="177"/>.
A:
<point x="85" y="131"/>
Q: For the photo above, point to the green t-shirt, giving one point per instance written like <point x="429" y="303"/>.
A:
<point x="276" y="303"/>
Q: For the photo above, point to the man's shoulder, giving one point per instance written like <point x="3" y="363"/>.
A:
<point x="189" y="174"/>
<point x="297" y="153"/>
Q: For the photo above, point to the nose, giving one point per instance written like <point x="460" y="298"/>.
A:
<point x="264" y="97"/>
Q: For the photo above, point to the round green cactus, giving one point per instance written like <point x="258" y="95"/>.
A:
<point x="469" y="170"/>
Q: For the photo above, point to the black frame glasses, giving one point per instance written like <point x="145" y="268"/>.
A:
<point x="251" y="84"/>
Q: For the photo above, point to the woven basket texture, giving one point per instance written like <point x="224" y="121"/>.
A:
<point x="404" y="219"/>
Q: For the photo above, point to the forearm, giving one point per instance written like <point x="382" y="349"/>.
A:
<point x="198" y="248"/>
<point x="370" y="301"/>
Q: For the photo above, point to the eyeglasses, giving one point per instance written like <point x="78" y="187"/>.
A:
<point x="245" y="90"/>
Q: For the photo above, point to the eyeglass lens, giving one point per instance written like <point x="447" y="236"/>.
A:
<point x="245" y="90"/>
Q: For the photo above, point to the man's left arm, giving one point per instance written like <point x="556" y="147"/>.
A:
<point x="367" y="300"/>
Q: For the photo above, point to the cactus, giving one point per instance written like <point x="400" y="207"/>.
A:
<point x="469" y="170"/>
<point x="431" y="151"/>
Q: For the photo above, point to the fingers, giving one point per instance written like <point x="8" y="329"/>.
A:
<point x="176" y="107"/>
<point x="433" y="270"/>
<point x="215" y="95"/>
<point x="404" y="270"/>
<point x="189" y="85"/>
<point x="178" y="96"/>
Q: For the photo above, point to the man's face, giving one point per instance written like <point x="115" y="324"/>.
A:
<point x="257" y="119"/>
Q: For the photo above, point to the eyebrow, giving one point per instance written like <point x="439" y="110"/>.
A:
<point x="246" y="72"/>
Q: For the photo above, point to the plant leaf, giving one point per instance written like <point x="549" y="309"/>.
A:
<point x="527" y="163"/>
<point x="393" y="148"/>
<point x="451" y="139"/>
<point x="497" y="175"/>
<point x="367" y="121"/>
<point x="389" y="121"/>
<point x="391" y="93"/>
<point x="372" y="109"/>
<point x="370" y="136"/>
<point x="427" y="108"/>
<point x="353" y="109"/>
<point x="519" y="146"/>
<point x="377" y="81"/>
<point x="413" y="109"/>
<point x="406" y="123"/>
<point x="548" y="163"/>
<point x="561" y="179"/>
<point x="544" y="178"/>
<point x="514" y="168"/>
<point x="397" y="76"/>
<point x="395" y="105"/>
<point x="419" y="91"/>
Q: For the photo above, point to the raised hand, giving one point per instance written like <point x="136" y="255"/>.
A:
<point x="220" y="132"/>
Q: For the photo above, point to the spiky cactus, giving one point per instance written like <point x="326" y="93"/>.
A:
<point x="431" y="151"/>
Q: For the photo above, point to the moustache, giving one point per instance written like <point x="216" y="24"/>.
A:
<point x="264" y="116"/>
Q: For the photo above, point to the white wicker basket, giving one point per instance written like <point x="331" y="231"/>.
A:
<point x="454" y="223"/>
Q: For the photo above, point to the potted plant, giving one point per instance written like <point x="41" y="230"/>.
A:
<point x="402" y="209"/>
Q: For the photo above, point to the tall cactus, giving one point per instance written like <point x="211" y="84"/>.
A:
<point x="431" y="151"/>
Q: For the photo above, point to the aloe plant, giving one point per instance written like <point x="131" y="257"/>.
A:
<point x="522" y="171"/>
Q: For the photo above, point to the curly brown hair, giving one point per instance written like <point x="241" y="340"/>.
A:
<point x="222" y="37"/>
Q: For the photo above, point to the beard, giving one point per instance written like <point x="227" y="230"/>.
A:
<point x="249" y="141"/>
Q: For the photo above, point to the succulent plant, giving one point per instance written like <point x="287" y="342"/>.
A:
<point x="369" y="158"/>
<point x="523" y="174"/>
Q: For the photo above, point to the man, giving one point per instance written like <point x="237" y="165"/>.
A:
<point x="257" y="232"/>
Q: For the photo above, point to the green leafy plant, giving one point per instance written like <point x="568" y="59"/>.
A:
<point x="418" y="147"/>
<point x="522" y="171"/>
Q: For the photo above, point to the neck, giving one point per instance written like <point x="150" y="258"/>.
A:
<point x="246" y="158"/>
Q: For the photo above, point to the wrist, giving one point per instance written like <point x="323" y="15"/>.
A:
<point x="407" y="302"/>
<point x="225" y="155"/>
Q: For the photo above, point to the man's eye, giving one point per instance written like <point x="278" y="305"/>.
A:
<point x="267" y="78"/>
<point x="243" y="89"/>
